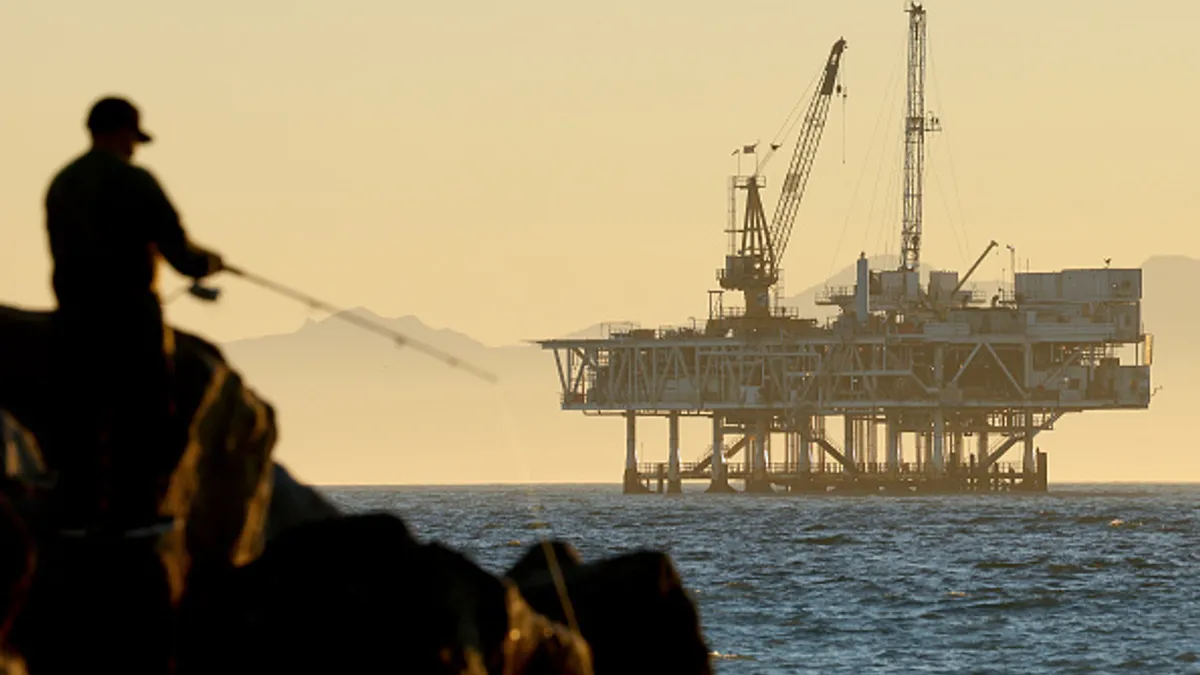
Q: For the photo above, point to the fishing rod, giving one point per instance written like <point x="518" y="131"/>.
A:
<point x="209" y="294"/>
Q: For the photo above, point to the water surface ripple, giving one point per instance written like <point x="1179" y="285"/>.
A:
<point x="1085" y="579"/>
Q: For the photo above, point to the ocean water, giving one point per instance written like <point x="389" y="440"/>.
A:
<point x="1084" y="579"/>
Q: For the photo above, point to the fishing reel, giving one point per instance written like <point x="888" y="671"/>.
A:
<point x="201" y="292"/>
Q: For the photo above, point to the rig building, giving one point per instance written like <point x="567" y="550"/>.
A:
<point x="933" y="384"/>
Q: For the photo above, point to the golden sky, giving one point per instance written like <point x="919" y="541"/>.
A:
<point x="522" y="169"/>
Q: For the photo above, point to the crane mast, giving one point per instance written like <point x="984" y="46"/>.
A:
<point x="753" y="265"/>
<point x="916" y="124"/>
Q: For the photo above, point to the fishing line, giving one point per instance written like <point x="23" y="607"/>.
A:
<point x="937" y="94"/>
<point x="503" y="403"/>
<point x="535" y="505"/>
<point x="401" y="340"/>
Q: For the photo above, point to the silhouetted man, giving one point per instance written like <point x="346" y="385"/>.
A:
<point x="108" y="223"/>
<point x="104" y="589"/>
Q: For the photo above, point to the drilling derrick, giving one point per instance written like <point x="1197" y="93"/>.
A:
<point x="752" y="265"/>
<point x="917" y="122"/>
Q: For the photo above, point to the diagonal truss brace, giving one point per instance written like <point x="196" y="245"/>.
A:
<point x="1004" y="447"/>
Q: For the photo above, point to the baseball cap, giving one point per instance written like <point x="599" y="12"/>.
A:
<point x="114" y="113"/>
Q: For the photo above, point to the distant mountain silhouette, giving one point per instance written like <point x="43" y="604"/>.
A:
<point x="354" y="408"/>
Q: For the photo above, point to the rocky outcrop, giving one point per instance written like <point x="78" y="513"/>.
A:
<point x="220" y="487"/>
<point x="260" y="573"/>
<point x="108" y="598"/>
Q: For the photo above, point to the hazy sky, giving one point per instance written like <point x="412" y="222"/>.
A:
<point x="522" y="169"/>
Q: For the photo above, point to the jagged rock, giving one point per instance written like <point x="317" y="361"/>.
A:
<point x="632" y="609"/>
<point x="97" y="600"/>
<point x="293" y="504"/>
<point x="24" y="486"/>
<point x="359" y="594"/>
<point x="221" y="485"/>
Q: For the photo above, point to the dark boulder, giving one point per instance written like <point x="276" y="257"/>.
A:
<point x="538" y="560"/>
<point x="219" y="484"/>
<point x="359" y="594"/>
<point x="113" y="598"/>
<point x="632" y="609"/>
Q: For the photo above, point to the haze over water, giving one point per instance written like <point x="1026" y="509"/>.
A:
<point x="1084" y="579"/>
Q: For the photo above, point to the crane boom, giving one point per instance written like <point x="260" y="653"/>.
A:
<point x="752" y="265"/>
<point x="807" y="143"/>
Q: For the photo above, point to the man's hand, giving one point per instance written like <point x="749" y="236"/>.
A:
<point x="215" y="264"/>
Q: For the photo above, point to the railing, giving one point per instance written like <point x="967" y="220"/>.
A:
<point x="830" y="295"/>
<point x="778" y="311"/>
<point x="656" y="469"/>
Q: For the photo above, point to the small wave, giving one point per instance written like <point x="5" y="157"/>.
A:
<point x="1039" y="602"/>
<point x="983" y="520"/>
<point x="997" y="608"/>
<point x="1067" y="569"/>
<point x="841" y="579"/>
<point x="1143" y="564"/>
<point x="730" y="656"/>
<point x="1117" y="522"/>
<point x="1005" y="564"/>
<point x="1092" y="520"/>
<point x="835" y="540"/>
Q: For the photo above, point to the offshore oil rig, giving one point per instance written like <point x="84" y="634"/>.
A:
<point x="950" y="378"/>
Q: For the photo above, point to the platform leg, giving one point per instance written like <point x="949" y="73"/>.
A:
<point x="938" y="456"/>
<point x="804" y="450"/>
<point x="1028" y="465"/>
<point x="674" y="484"/>
<point x="757" y="480"/>
<point x="893" y="445"/>
<point x="631" y="483"/>
<point x="720" y="481"/>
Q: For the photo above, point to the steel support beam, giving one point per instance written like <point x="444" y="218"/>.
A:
<point x="674" y="484"/>
<point x="938" y="456"/>
<point x="893" y="444"/>
<point x="720" y="480"/>
<point x="631" y="483"/>
<point x="833" y="452"/>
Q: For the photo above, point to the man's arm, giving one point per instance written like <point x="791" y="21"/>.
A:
<point x="164" y="229"/>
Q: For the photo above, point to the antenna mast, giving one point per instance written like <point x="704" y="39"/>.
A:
<point x="916" y="123"/>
